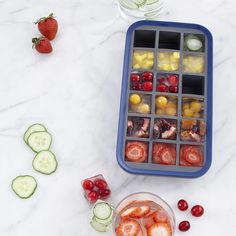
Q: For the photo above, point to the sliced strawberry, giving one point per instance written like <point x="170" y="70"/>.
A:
<point x="159" y="229"/>
<point x="126" y="214"/>
<point x="128" y="228"/>
<point x="168" y="156"/>
<point x="136" y="151"/>
<point x="173" y="80"/>
<point x="191" y="156"/>
<point x="161" y="216"/>
<point x="140" y="212"/>
<point x="148" y="221"/>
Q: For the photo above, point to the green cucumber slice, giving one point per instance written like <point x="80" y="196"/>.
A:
<point x="24" y="186"/>
<point x="99" y="227"/>
<point x="107" y="221"/>
<point x="33" y="128"/>
<point x="40" y="141"/>
<point x="150" y="2"/>
<point x="102" y="210"/>
<point x="140" y="3"/>
<point x="45" y="162"/>
<point x="128" y="4"/>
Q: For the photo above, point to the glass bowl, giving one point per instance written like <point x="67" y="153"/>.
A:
<point x="141" y="197"/>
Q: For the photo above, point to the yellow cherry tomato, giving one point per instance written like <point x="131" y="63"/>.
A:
<point x="188" y="112"/>
<point x="171" y="111"/>
<point x="161" y="102"/>
<point x="135" y="99"/>
<point x="144" y="108"/>
<point x="196" y="106"/>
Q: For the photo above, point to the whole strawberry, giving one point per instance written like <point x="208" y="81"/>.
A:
<point x="42" y="45"/>
<point x="48" y="26"/>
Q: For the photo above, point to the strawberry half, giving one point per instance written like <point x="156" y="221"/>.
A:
<point x="136" y="151"/>
<point x="42" y="45"/>
<point x="48" y="26"/>
<point x="140" y="212"/>
<point x="128" y="228"/>
<point x="159" y="229"/>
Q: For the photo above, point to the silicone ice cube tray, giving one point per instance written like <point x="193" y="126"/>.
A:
<point x="161" y="48"/>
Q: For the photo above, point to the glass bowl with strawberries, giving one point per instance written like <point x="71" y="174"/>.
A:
<point x="143" y="214"/>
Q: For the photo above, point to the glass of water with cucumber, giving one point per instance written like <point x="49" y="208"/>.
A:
<point x="140" y="9"/>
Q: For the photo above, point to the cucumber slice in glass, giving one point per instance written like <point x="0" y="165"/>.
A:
<point x="33" y="128"/>
<point x="40" y="141"/>
<point x="128" y="4"/>
<point x="45" y="162"/>
<point x="99" y="227"/>
<point x="150" y="2"/>
<point x="102" y="211"/>
<point x="107" y="221"/>
<point x="140" y="3"/>
<point x="24" y="186"/>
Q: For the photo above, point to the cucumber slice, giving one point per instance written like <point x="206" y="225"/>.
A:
<point x="102" y="210"/>
<point x="24" y="186"/>
<point x="107" y="221"/>
<point x="40" y="141"/>
<point x="140" y="3"/>
<point x="128" y="4"/>
<point x="150" y="2"/>
<point x="45" y="162"/>
<point x="33" y="128"/>
<point x="99" y="227"/>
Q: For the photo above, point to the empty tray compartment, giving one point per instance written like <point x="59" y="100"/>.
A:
<point x="193" y="84"/>
<point x="144" y="38"/>
<point x="169" y="40"/>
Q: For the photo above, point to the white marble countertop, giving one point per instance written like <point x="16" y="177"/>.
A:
<point x="75" y="91"/>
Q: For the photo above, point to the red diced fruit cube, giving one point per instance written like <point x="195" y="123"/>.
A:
<point x="147" y="86"/>
<point x="173" y="89"/>
<point x="100" y="183"/>
<point x="88" y="184"/>
<point x="162" y="88"/>
<point x="92" y="196"/>
<point x="173" y="80"/>
<point x="161" y="80"/>
<point x="135" y="77"/>
<point x="147" y="76"/>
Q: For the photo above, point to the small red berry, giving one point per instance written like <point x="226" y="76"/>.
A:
<point x="161" y="80"/>
<point x="173" y="89"/>
<point x="173" y="80"/>
<point x="100" y="183"/>
<point x="162" y="88"/>
<point x="184" y="226"/>
<point x="135" y="77"/>
<point x="147" y="86"/>
<point x="104" y="193"/>
<point x="92" y="196"/>
<point x="197" y="211"/>
<point x="147" y="76"/>
<point x="136" y="86"/>
<point x="182" y="205"/>
<point x="88" y="184"/>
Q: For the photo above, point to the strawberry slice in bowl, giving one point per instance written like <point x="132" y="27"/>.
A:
<point x="160" y="229"/>
<point x="128" y="228"/>
<point x="136" y="151"/>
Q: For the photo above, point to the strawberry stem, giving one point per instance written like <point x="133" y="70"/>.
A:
<point x="51" y="15"/>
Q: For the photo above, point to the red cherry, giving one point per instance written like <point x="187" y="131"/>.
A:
<point x="100" y="183"/>
<point x="182" y="205"/>
<point x="173" y="89"/>
<point x="92" y="196"/>
<point x="197" y="211"/>
<point x="161" y="80"/>
<point x="136" y="86"/>
<point x="88" y="184"/>
<point x="135" y="77"/>
<point x="184" y="226"/>
<point x="173" y="80"/>
<point x="147" y="86"/>
<point x="147" y="76"/>
<point x="162" y="88"/>
<point x="104" y="193"/>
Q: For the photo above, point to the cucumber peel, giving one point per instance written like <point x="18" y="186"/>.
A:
<point x="33" y="128"/>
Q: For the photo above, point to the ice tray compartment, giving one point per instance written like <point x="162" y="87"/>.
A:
<point x="166" y="101"/>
